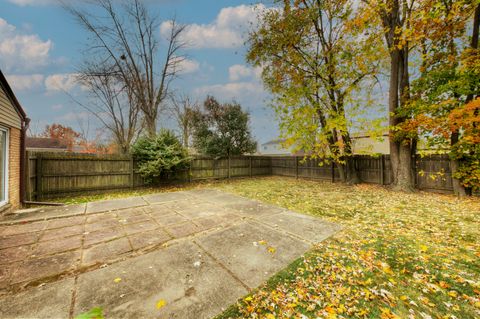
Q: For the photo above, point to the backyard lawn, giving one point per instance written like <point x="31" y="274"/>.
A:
<point x="398" y="256"/>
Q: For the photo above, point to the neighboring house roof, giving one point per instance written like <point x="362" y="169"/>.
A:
<point x="274" y="142"/>
<point x="46" y="143"/>
<point x="11" y="96"/>
<point x="368" y="135"/>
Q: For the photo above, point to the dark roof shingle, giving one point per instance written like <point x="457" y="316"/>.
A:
<point x="46" y="142"/>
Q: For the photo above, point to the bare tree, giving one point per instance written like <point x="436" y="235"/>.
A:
<point x="123" y="39"/>
<point x="113" y="104"/>
<point x="183" y="110"/>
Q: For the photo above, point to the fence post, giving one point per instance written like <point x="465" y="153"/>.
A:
<point x="332" y="167"/>
<point x="190" y="171"/>
<point x="250" y="166"/>
<point x="229" y="173"/>
<point x="38" y="177"/>
<point x="414" y="169"/>
<point x="28" y="187"/>
<point x="132" y="177"/>
<point x="296" y="167"/>
<point x="382" y="169"/>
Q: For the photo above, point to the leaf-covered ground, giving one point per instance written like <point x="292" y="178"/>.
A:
<point x="399" y="256"/>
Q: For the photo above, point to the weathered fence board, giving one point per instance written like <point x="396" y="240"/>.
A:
<point x="55" y="175"/>
<point x="434" y="174"/>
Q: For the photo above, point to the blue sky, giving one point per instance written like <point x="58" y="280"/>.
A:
<point x="41" y="45"/>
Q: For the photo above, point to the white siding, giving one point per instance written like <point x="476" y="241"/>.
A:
<point x="274" y="149"/>
<point x="8" y="114"/>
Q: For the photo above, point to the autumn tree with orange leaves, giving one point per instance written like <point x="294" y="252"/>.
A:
<point x="59" y="131"/>
<point x="445" y="106"/>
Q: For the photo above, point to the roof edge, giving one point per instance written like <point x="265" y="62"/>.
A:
<point x="9" y="92"/>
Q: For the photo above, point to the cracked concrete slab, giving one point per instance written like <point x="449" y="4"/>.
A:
<point x="251" y="251"/>
<point x="199" y="251"/>
<point x="167" y="197"/>
<point x="115" y="204"/>
<point x="37" y="214"/>
<point x="304" y="226"/>
<point x="48" y="301"/>
<point x="253" y="209"/>
<point x="191" y="284"/>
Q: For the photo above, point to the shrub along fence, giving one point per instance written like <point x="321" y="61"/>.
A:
<point x="51" y="175"/>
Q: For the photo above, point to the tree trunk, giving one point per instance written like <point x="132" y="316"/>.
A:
<point x="404" y="173"/>
<point x="392" y="109"/>
<point x="151" y="126"/>
<point x="341" y="171"/>
<point x="458" y="188"/>
<point x="352" y="172"/>
<point x="348" y="172"/>
<point x="400" y="149"/>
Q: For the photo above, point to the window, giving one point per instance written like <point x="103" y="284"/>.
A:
<point x="3" y="166"/>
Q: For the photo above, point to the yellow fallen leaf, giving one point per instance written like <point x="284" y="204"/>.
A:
<point x="271" y="250"/>
<point x="117" y="280"/>
<point x="262" y="242"/>
<point x="270" y="316"/>
<point x="161" y="303"/>
<point x="423" y="248"/>
<point x="330" y="310"/>
<point x="443" y="284"/>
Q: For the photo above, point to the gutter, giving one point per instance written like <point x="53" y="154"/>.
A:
<point x="23" y="159"/>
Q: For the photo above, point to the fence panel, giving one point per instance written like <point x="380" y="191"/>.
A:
<point x="434" y="173"/>
<point x="370" y="169"/>
<point x="56" y="174"/>
<point x="60" y="174"/>
<point x="284" y="166"/>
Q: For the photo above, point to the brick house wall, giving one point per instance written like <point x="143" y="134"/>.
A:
<point x="14" y="120"/>
<point x="14" y="173"/>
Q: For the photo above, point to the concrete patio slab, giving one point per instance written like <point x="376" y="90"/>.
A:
<point x="114" y="204"/>
<point x="45" y="268"/>
<point x="191" y="284"/>
<point x="253" y="209"/>
<point x="37" y="214"/>
<point x="304" y="226"/>
<point x="198" y="251"/>
<point x="49" y="301"/>
<point x="167" y="197"/>
<point x="252" y="252"/>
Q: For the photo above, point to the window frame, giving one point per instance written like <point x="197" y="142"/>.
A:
<point x="6" y="164"/>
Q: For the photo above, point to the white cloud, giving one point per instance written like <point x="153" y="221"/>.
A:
<point x="25" y="82"/>
<point x="60" y="82"/>
<point x="72" y="117"/>
<point x="187" y="66"/>
<point x="238" y="71"/>
<point x="226" y="31"/>
<point x="57" y="107"/>
<point x="22" y="52"/>
<point x="232" y="91"/>
<point x="24" y="3"/>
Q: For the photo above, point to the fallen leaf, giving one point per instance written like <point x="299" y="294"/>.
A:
<point x="161" y="303"/>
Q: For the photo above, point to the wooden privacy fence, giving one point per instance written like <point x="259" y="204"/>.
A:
<point x="60" y="174"/>
<point x="432" y="173"/>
